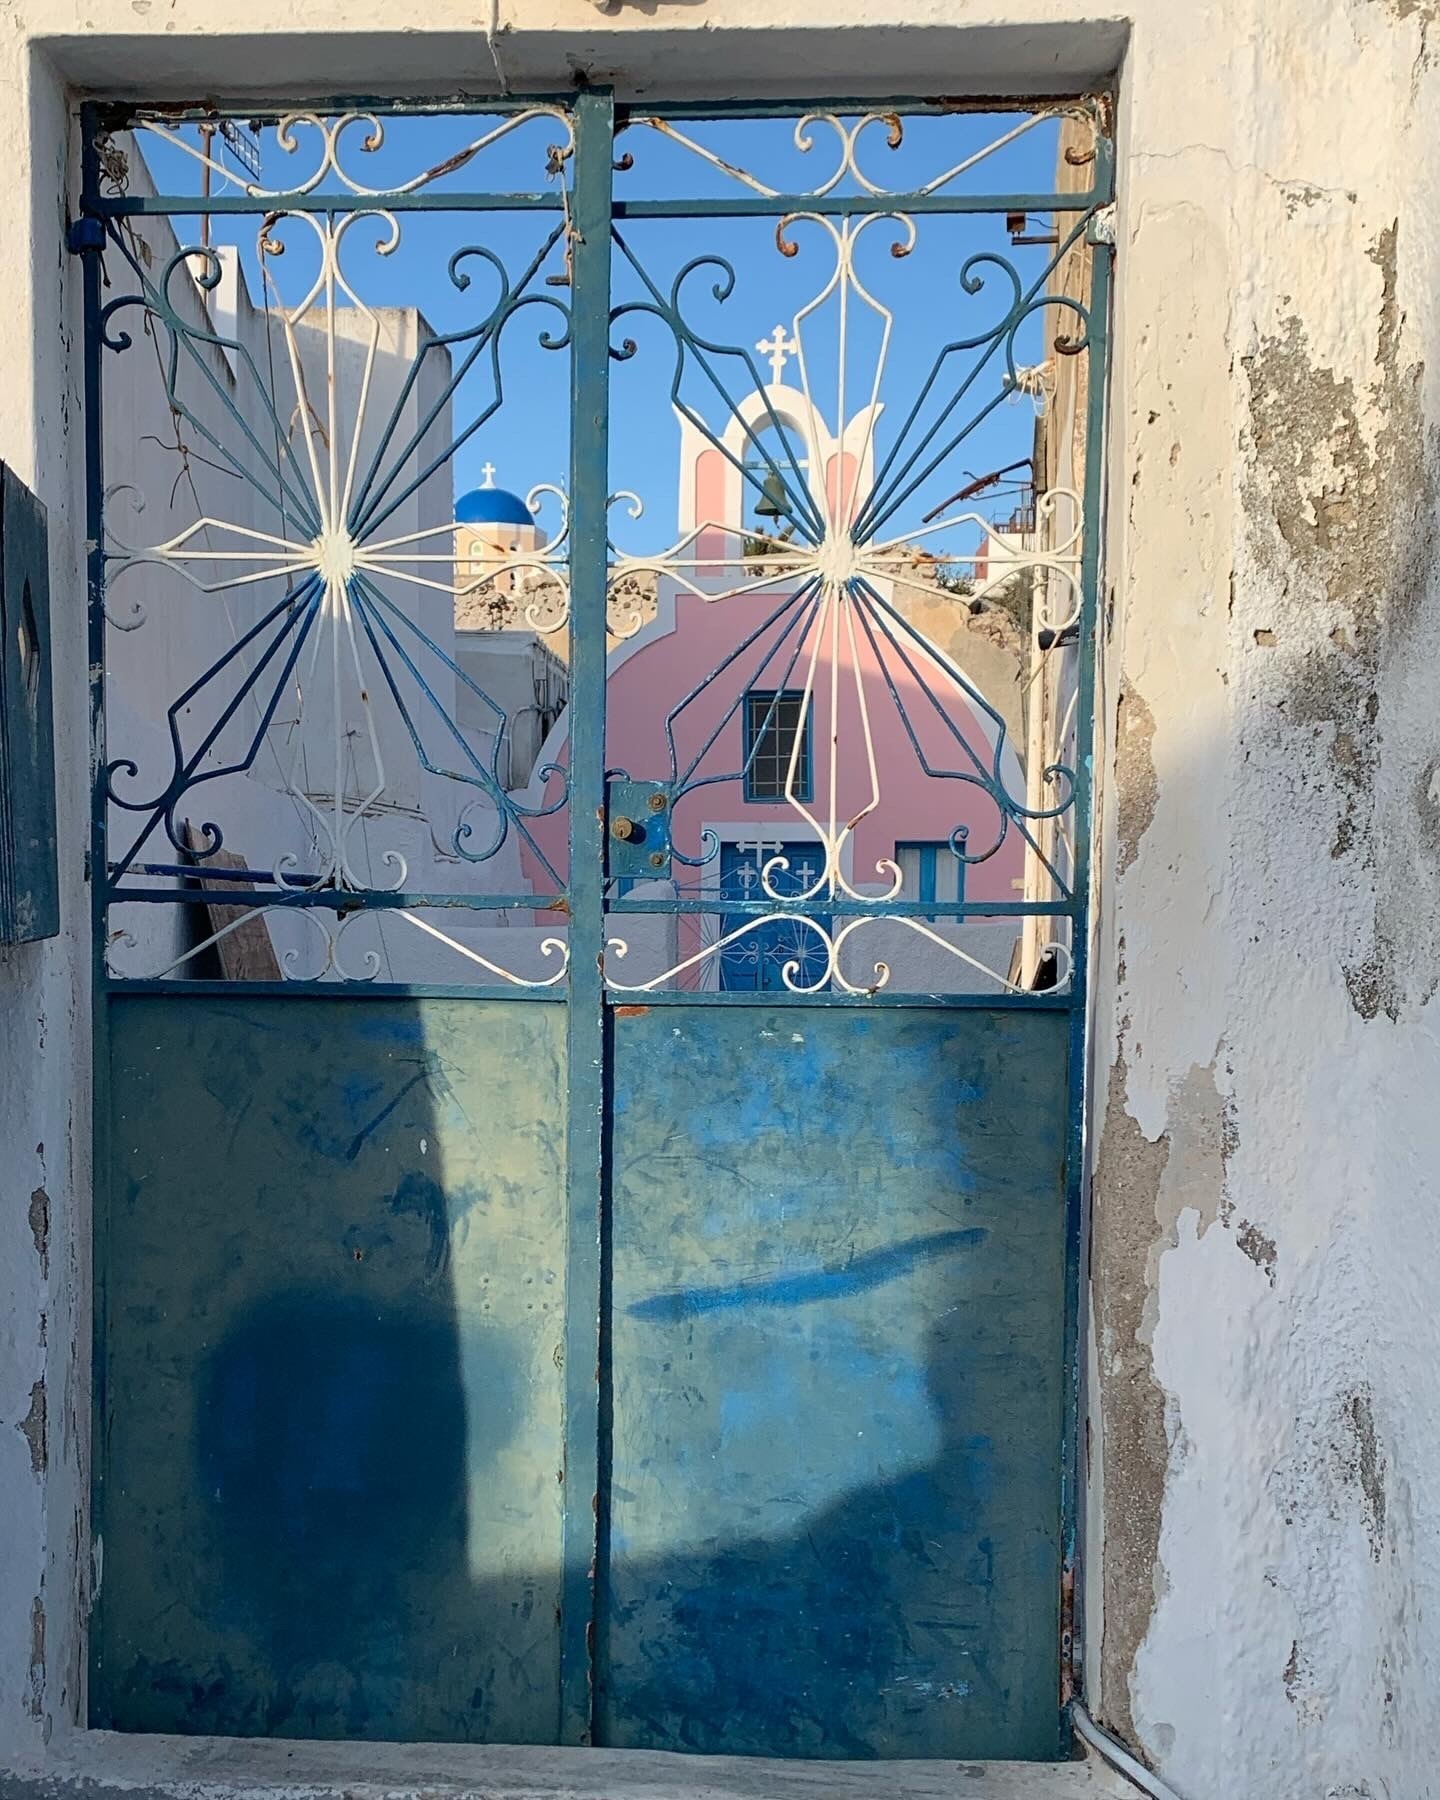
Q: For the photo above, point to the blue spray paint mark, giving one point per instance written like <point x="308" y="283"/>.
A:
<point x="857" y="1275"/>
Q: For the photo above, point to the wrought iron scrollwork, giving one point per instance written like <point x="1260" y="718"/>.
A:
<point x="836" y="441"/>
<point x="329" y="466"/>
<point x="836" y="567"/>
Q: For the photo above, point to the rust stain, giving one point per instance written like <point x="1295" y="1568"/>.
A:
<point x="664" y="127"/>
<point x="631" y="1012"/>
<point x="448" y="166"/>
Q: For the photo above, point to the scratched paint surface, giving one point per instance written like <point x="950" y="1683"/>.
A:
<point x="838" y="1253"/>
<point x="329" y="1502"/>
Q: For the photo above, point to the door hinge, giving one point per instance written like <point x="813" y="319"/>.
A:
<point x="84" y="234"/>
<point x="1102" y="225"/>
<point x="1068" y="1658"/>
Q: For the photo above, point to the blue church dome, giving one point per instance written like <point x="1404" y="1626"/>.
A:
<point x="492" y="506"/>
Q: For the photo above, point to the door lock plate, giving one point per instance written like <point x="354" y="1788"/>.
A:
<point x="638" y="829"/>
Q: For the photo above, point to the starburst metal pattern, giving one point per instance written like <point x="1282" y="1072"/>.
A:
<point x="330" y="558"/>
<point x="337" y="464"/>
<point x="836" y="571"/>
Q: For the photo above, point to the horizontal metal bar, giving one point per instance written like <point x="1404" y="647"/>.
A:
<point x="620" y="1001"/>
<point x="937" y="105"/>
<point x="194" y="871"/>
<point x="116" y="206"/>
<point x="845" y="205"/>
<point x="342" y="900"/>
<point x="129" y="115"/>
<point x="121" y="115"/>
<point x="329" y="990"/>
<point x="614" y="998"/>
<point x="861" y="909"/>
<point x="119" y="206"/>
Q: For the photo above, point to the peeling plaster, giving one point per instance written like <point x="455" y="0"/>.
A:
<point x="1363" y="1466"/>
<point x="40" y="1229"/>
<point x="1425" y="11"/>
<point x="1143" y="1186"/>
<point x="1274" y="905"/>
<point x="1344" y="490"/>
<point x="1254" y="1243"/>
<point x="1337" y="1468"/>
<point x="1136" y="785"/>
<point x="1129" y="1170"/>
<point x="33" y="1428"/>
<point x="35" y="1700"/>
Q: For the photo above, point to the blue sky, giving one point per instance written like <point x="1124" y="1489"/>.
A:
<point x="527" y="440"/>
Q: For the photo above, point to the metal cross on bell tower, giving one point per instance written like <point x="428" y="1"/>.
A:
<point x="779" y="349"/>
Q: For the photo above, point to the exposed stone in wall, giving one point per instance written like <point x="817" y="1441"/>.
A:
<point x="1128" y="1174"/>
<point x="1143" y="1186"/>
<point x="1134" y="777"/>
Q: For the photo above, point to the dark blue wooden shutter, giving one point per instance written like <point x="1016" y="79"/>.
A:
<point x="29" y="878"/>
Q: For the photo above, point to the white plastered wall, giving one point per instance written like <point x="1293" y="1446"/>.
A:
<point x="1261" y="1579"/>
<point x="44" y="988"/>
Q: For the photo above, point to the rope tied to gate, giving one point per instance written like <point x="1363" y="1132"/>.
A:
<point x="555" y="161"/>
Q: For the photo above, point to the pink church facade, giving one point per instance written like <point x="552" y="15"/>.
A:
<point x="677" y="655"/>
<point x="900" y="754"/>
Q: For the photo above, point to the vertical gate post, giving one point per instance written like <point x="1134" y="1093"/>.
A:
<point x="586" y="1200"/>
<point x="88" y="241"/>
<point x="1081" y="1099"/>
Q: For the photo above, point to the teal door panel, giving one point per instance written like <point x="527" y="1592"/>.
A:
<point x="328" y="1502"/>
<point x="838" y="1378"/>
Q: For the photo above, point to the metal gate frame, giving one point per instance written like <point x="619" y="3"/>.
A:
<point x="592" y="209"/>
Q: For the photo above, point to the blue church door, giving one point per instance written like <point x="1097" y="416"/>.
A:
<point x="756" y="961"/>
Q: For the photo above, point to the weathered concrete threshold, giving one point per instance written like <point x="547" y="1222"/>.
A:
<point x="104" y="1765"/>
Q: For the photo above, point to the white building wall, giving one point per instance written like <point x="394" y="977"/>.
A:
<point x="1263" y="1580"/>
<point x="519" y="672"/>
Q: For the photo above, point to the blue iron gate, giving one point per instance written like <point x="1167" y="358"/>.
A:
<point x="589" y="1001"/>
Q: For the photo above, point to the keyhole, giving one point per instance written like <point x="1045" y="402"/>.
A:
<point x="28" y="644"/>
